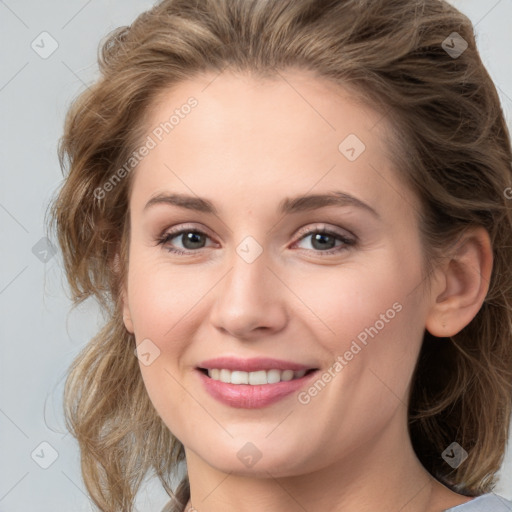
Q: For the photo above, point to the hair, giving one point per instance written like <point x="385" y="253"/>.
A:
<point x="448" y="141"/>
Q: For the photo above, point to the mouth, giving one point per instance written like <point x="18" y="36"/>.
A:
<point x="253" y="383"/>
<point x="255" y="378"/>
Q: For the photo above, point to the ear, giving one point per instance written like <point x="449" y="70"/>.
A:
<point x="462" y="287"/>
<point x="127" y="317"/>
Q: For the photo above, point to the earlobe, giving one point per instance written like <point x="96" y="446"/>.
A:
<point x="127" y="317"/>
<point x="459" y="294"/>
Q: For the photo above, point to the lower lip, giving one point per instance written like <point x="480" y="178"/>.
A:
<point x="247" y="396"/>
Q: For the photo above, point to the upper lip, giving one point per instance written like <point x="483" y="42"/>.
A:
<point x="252" y="364"/>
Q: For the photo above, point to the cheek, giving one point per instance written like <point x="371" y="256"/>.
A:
<point x="168" y="396"/>
<point x="162" y="300"/>
<point x="161" y="295"/>
<point x="378" y="329"/>
<point x="346" y="301"/>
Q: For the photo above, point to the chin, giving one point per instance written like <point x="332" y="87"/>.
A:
<point x="254" y="457"/>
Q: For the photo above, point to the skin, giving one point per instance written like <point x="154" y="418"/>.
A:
<point x="247" y="145"/>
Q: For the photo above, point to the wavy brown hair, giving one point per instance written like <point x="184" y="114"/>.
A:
<point x="448" y="141"/>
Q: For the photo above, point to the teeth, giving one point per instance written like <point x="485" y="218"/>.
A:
<point x="254" y="378"/>
<point x="273" y="376"/>
<point x="225" y="376"/>
<point x="239" y="378"/>
<point x="287" y="375"/>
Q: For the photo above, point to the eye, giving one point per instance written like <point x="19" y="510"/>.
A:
<point x="191" y="239"/>
<point x="324" y="240"/>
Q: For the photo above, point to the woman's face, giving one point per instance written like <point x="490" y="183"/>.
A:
<point x="253" y="277"/>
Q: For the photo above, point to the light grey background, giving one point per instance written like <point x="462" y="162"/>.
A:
<point x="39" y="337"/>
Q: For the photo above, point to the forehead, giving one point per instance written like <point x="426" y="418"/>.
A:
<point x="247" y="134"/>
<point x="232" y="101"/>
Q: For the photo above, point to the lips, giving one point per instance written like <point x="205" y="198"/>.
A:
<point x="259" y="394"/>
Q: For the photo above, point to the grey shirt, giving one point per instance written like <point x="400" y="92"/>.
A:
<point x="490" y="502"/>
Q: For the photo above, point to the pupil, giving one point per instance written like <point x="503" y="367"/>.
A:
<point x="191" y="238"/>
<point x="319" y="236"/>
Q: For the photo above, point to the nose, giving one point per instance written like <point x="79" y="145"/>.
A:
<point x="250" y="301"/>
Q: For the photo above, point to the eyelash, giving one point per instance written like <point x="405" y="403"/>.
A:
<point x="347" y="242"/>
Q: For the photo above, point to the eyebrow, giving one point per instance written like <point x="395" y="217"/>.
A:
<point x="286" y="206"/>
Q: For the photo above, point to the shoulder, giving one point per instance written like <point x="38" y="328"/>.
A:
<point x="490" y="502"/>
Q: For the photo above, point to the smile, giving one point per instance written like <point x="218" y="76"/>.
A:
<point x="254" y="382"/>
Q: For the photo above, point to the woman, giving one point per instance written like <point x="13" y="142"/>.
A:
<point x="295" y="215"/>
